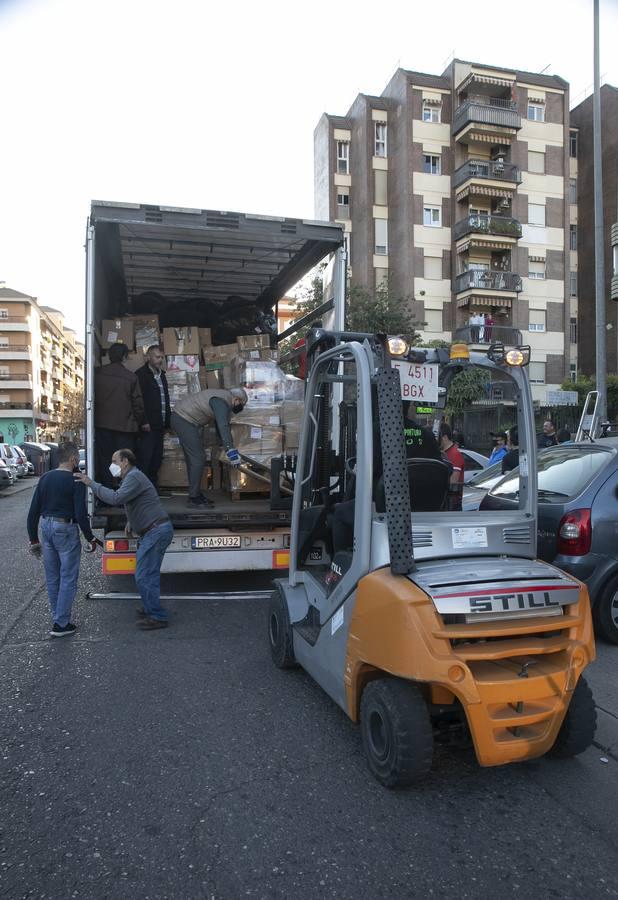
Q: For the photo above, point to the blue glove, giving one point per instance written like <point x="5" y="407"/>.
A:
<point x="233" y="457"/>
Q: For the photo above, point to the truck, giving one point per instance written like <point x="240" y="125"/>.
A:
<point x="220" y="270"/>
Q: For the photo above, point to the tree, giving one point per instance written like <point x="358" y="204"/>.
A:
<point x="467" y="386"/>
<point x="586" y="383"/>
<point x="380" y="310"/>
<point x="309" y="296"/>
<point x="72" y="420"/>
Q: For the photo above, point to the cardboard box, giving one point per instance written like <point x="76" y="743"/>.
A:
<point x="184" y="341"/>
<point x="114" y="331"/>
<point x="183" y="363"/>
<point x="272" y="355"/>
<point x="255" y="341"/>
<point x="147" y="331"/>
<point x="205" y="337"/>
<point x="173" y="471"/>
<point x="222" y="353"/>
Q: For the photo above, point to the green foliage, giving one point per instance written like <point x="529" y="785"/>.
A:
<point x="435" y="343"/>
<point x="380" y="310"/>
<point x="586" y="383"/>
<point x="308" y="298"/>
<point x="467" y="386"/>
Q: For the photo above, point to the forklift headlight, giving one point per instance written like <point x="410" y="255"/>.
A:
<point x="397" y="346"/>
<point x="518" y="356"/>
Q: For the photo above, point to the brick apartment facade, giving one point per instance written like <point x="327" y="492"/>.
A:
<point x="456" y="188"/>
<point x="41" y="368"/>
<point x="583" y="239"/>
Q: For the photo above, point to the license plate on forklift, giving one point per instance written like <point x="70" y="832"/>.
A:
<point x="215" y="541"/>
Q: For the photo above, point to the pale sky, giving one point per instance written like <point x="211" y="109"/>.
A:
<point x="213" y="104"/>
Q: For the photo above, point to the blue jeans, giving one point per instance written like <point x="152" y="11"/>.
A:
<point x="150" y="553"/>
<point x="61" y="555"/>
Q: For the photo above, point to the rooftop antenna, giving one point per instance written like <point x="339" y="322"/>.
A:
<point x="545" y="69"/>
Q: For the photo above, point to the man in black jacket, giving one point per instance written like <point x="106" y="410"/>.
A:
<point x="156" y="412"/>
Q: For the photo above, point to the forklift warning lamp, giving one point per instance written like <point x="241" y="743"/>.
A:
<point x="397" y="346"/>
<point x="459" y="351"/>
<point x="518" y="356"/>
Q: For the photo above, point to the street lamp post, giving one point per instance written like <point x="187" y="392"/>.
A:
<point x="599" y="249"/>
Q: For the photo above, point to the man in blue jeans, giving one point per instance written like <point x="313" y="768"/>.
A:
<point x="148" y="520"/>
<point x="59" y="504"/>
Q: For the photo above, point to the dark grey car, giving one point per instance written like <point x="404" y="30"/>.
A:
<point x="578" y="519"/>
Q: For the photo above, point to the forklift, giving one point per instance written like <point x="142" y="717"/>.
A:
<point x="433" y="625"/>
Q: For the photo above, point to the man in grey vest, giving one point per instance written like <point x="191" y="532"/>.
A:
<point x="188" y="418"/>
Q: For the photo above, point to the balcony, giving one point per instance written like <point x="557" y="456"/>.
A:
<point x="486" y="169"/>
<point x="487" y="111"/>
<point x="22" y="404"/>
<point x="16" y="351"/>
<point x="475" y="334"/>
<point x="487" y="281"/>
<point x="501" y="226"/>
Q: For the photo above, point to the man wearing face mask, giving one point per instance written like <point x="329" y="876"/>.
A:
<point x="157" y="412"/>
<point x="188" y="418"/>
<point x="148" y="520"/>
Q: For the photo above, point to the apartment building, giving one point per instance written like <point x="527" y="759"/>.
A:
<point x="582" y="234"/>
<point x="41" y="370"/>
<point x="455" y="188"/>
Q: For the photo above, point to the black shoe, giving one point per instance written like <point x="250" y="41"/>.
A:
<point x="200" y="501"/>
<point x="147" y="624"/>
<point x="60" y="631"/>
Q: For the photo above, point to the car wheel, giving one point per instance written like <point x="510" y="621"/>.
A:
<point x="396" y="731"/>
<point x="280" y="632"/>
<point x="577" y="730"/>
<point x="605" y="612"/>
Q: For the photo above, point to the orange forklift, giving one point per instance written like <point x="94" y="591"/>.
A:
<point x="431" y="624"/>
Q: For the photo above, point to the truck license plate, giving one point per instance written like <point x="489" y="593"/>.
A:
<point x="215" y="541"/>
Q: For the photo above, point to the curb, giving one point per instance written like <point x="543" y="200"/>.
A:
<point x="25" y="485"/>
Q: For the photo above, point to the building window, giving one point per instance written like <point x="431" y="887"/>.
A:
<point x="433" y="268"/>
<point x="432" y="216"/>
<point x="536" y="269"/>
<point x="380" y="187"/>
<point x="573" y="190"/>
<point x="432" y="113"/>
<point x="536" y="162"/>
<point x="573" y="330"/>
<point x="536" y="214"/>
<point x="379" y="148"/>
<point x="573" y="145"/>
<point x="433" y="320"/>
<point x="536" y="372"/>
<point x="343" y="205"/>
<point x="573" y="372"/>
<point x="381" y="237"/>
<point x="432" y="165"/>
<point x="343" y="157"/>
<point x="573" y="284"/>
<point x="4" y="342"/>
<point x="4" y="313"/>
<point x="573" y="237"/>
<point x="536" y="112"/>
<point x="536" y="320"/>
<point x="343" y="199"/>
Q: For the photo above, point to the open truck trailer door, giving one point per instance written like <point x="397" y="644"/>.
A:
<point x="220" y="273"/>
<point x="424" y="622"/>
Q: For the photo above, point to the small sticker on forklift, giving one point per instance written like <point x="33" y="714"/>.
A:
<point x="469" y="537"/>
<point x="337" y="620"/>
<point x="418" y="381"/>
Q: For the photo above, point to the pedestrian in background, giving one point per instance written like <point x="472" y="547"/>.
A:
<point x="452" y="455"/>
<point x="548" y="436"/>
<point x="148" y="520"/>
<point x="155" y="394"/>
<point x="118" y="410"/>
<point x="59" y="505"/>
<point x="511" y="460"/>
<point x="499" y="450"/>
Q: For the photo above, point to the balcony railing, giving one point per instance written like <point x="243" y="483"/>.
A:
<point x="487" y="281"/>
<point x="486" y="111"/>
<point x="15" y="376"/>
<point x="22" y="319"/>
<point x="483" y="334"/>
<point x="487" y="168"/>
<point x="475" y="224"/>
<point x="16" y="348"/>
<point x="23" y="405"/>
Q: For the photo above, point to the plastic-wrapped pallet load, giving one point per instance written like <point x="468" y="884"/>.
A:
<point x="263" y="380"/>
<point x="256" y="433"/>
<point x="182" y="377"/>
<point x="173" y="471"/>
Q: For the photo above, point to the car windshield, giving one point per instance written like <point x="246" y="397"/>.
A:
<point x="485" y="477"/>
<point x="563" y="472"/>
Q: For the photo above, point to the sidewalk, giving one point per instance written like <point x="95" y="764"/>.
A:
<point x="23" y="485"/>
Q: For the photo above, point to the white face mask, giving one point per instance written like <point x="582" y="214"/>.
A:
<point x="115" y="470"/>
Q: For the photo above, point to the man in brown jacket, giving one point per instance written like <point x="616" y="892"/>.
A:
<point x="118" y="410"/>
<point x="189" y="416"/>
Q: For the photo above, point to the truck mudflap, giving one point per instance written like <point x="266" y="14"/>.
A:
<point x="512" y="666"/>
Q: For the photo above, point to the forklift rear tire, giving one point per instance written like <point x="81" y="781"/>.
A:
<point x="280" y="632"/>
<point x="396" y="731"/>
<point x="577" y="730"/>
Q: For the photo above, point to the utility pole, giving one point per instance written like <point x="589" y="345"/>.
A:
<point x="599" y="248"/>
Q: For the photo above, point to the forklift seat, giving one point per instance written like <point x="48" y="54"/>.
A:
<point x="429" y="482"/>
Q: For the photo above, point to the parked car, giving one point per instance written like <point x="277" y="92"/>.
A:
<point x="475" y="462"/>
<point x="82" y="460"/>
<point x="26" y="462"/>
<point x="6" y="475"/>
<point x="578" y="502"/>
<point x="11" y="461"/>
<point x="479" y="483"/>
<point x="22" y="464"/>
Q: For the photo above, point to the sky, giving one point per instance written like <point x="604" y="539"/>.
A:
<point x="213" y="104"/>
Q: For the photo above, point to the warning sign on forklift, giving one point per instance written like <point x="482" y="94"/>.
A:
<point x="419" y="381"/>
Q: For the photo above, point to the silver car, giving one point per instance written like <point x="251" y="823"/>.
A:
<point x="11" y="461"/>
<point x="6" y="475"/>
<point x="17" y="451"/>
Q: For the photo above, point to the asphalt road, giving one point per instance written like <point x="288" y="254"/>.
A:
<point x="182" y="764"/>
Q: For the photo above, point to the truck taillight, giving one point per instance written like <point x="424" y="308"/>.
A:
<point x="575" y="533"/>
<point x="118" y="546"/>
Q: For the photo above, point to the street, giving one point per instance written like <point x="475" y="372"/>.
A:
<point x="182" y="764"/>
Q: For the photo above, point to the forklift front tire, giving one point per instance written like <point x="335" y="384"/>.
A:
<point x="396" y="731"/>
<point x="280" y="632"/>
<point x="577" y="730"/>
